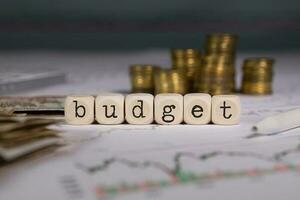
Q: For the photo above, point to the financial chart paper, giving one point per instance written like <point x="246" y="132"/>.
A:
<point x="161" y="162"/>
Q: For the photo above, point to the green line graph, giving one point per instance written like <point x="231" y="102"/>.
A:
<point x="183" y="178"/>
<point x="178" y="176"/>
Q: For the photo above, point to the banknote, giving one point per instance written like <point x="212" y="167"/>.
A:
<point x="10" y="139"/>
<point x="10" y="154"/>
<point x="26" y="123"/>
<point x="33" y="105"/>
<point x="22" y="135"/>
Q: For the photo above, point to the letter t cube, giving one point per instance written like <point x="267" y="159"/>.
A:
<point x="226" y="109"/>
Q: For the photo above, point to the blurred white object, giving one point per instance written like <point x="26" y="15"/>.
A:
<point x="279" y="123"/>
<point x="12" y="82"/>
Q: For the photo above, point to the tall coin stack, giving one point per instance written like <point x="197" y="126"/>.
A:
<point x="216" y="75"/>
<point x="188" y="60"/>
<point x="257" y="76"/>
<point x="171" y="81"/>
<point x="142" y="78"/>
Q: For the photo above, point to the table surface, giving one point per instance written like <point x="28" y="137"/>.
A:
<point x="157" y="162"/>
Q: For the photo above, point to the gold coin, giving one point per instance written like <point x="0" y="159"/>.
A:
<point x="264" y="63"/>
<point x="162" y="82"/>
<point x="171" y="81"/>
<point x="216" y="75"/>
<point x="257" y="88"/>
<point x="179" y="83"/>
<point x="219" y="43"/>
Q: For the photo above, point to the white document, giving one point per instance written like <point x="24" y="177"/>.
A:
<point x="13" y="82"/>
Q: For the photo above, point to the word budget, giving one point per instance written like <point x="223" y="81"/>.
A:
<point x="144" y="108"/>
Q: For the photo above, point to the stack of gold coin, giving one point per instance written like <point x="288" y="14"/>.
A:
<point x="142" y="78"/>
<point x="221" y="44"/>
<point x="179" y="81"/>
<point x="162" y="82"/>
<point x="216" y="75"/>
<point x="171" y="81"/>
<point x="257" y="76"/>
<point x="188" y="60"/>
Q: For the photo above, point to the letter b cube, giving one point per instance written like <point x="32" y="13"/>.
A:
<point x="79" y="110"/>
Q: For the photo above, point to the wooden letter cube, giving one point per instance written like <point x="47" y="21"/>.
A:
<point x="226" y="109"/>
<point x="139" y="108"/>
<point x="168" y="108"/>
<point x="109" y="108"/>
<point x="79" y="110"/>
<point x="197" y="108"/>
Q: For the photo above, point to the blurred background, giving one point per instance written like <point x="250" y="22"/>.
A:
<point x="86" y="43"/>
<point x="135" y="24"/>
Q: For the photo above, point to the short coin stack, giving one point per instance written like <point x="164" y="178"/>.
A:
<point x="142" y="78"/>
<point x="161" y="82"/>
<point x="257" y="76"/>
<point x="171" y="81"/>
<point x="188" y="60"/>
<point x="20" y="136"/>
<point x="178" y="81"/>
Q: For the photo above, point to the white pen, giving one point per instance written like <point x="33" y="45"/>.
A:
<point x="278" y="123"/>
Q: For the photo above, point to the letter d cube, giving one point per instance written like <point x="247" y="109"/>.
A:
<point x="79" y="110"/>
<point x="139" y="108"/>
<point x="168" y="108"/>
